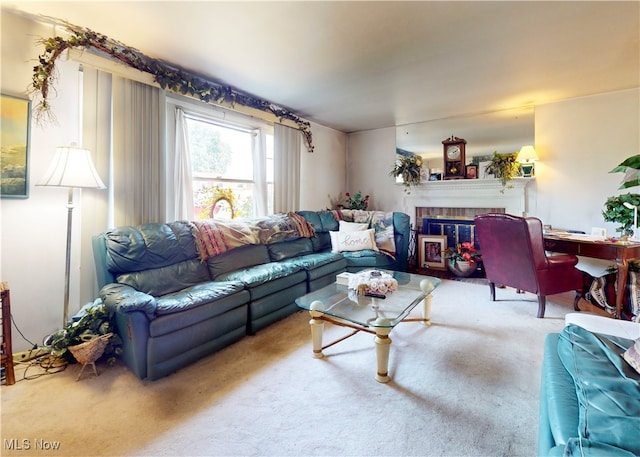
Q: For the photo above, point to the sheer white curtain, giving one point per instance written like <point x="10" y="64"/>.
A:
<point x="183" y="176"/>
<point x="260" y="193"/>
<point x="287" y="145"/>
<point x="139" y="161"/>
<point x="124" y="126"/>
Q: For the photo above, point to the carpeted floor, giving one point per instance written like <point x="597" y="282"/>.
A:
<point x="466" y="386"/>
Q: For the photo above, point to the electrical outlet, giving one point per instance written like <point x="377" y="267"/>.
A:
<point x="31" y="354"/>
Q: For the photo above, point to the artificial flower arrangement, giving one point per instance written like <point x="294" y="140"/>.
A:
<point x="408" y="167"/>
<point x="355" y="201"/>
<point x="464" y="252"/>
<point x="373" y="281"/>
<point x="503" y="166"/>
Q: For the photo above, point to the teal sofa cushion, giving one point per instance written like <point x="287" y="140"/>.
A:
<point x="608" y="389"/>
<point x="287" y="249"/>
<point x="165" y="280"/>
<point x="237" y="259"/>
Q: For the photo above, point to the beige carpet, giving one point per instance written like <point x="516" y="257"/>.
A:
<point x="466" y="386"/>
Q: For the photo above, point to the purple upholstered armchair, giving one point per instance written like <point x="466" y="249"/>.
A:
<point x="513" y="255"/>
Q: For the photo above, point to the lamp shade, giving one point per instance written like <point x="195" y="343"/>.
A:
<point x="72" y="167"/>
<point x="527" y="154"/>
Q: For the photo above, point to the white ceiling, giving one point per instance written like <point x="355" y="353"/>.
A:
<point x="364" y="65"/>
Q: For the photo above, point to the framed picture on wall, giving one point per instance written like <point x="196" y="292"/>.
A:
<point x="431" y="251"/>
<point x="15" y="115"/>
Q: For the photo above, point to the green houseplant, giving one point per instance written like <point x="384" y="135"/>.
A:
<point x="503" y="166"/>
<point x="408" y="167"/>
<point x="615" y="211"/>
<point x="93" y="320"/>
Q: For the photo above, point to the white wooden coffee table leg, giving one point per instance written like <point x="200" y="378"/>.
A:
<point x="383" y="345"/>
<point x="426" y="310"/>
<point x="317" y="327"/>
<point x="427" y="287"/>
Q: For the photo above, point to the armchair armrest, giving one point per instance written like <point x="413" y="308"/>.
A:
<point x="125" y="299"/>
<point x="562" y="261"/>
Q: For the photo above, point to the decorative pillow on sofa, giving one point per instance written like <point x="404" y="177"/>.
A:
<point x="632" y="355"/>
<point x="353" y="241"/>
<point x="353" y="226"/>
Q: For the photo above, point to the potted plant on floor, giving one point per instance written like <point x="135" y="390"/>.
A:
<point x="463" y="260"/>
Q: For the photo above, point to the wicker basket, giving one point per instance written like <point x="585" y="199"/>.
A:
<point x="88" y="352"/>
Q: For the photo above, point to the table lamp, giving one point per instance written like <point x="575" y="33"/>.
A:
<point x="71" y="167"/>
<point x="527" y="158"/>
<point x="635" y="219"/>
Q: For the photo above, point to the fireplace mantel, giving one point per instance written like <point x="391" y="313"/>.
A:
<point x="469" y="193"/>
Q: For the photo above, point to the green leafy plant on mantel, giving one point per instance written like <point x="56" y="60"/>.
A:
<point x="503" y="167"/>
<point x="408" y="167"/>
<point x="168" y="76"/>
<point x="615" y="211"/>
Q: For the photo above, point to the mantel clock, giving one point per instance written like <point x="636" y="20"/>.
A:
<point x="454" y="157"/>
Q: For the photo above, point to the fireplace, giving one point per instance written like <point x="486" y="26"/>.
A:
<point x="464" y="198"/>
<point x="446" y="208"/>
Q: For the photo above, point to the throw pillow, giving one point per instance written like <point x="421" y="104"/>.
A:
<point x="353" y="226"/>
<point x="632" y="355"/>
<point x="353" y="241"/>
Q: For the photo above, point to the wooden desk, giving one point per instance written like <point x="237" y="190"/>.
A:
<point x="622" y="252"/>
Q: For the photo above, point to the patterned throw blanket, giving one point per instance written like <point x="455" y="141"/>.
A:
<point x="214" y="237"/>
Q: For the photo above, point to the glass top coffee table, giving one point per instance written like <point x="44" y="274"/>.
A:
<point x="338" y="304"/>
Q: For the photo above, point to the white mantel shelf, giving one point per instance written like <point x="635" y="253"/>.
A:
<point x="469" y="193"/>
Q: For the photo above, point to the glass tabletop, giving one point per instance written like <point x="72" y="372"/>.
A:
<point x="339" y="301"/>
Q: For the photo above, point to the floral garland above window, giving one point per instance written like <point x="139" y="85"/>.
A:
<point x="166" y="75"/>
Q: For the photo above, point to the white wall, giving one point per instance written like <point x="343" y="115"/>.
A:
<point x="322" y="173"/>
<point x="370" y="157"/>
<point x="579" y="141"/>
<point x="33" y="230"/>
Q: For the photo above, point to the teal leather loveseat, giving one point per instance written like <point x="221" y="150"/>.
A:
<point x="590" y="396"/>
<point x="173" y="304"/>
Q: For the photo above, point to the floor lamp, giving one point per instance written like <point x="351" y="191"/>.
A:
<point x="71" y="167"/>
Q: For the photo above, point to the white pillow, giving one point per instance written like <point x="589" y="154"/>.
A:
<point x="353" y="226"/>
<point x="353" y="241"/>
<point x="632" y="355"/>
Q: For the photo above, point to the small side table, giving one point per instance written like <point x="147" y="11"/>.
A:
<point x="6" y="354"/>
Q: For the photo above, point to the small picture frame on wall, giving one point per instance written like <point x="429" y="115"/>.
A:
<point x="471" y="171"/>
<point x="15" y="115"/>
<point x="431" y="251"/>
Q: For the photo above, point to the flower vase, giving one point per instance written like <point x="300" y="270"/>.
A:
<point x="462" y="268"/>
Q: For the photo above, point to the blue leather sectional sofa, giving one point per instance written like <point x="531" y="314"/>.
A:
<point x="590" y="397"/>
<point x="172" y="308"/>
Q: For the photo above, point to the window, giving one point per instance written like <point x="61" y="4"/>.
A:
<point x="226" y="170"/>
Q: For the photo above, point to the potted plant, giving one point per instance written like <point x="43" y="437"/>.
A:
<point x="615" y="211"/>
<point x="355" y="201"/>
<point x="503" y="166"/>
<point x="408" y="167"/>
<point x="92" y="321"/>
<point x="463" y="260"/>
